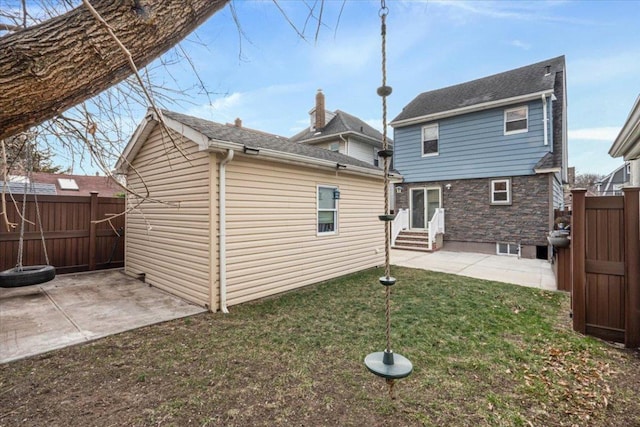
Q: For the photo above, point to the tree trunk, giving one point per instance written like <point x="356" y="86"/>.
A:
<point x="48" y="68"/>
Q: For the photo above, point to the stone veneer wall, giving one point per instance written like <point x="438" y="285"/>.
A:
<point x="470" y="217"/>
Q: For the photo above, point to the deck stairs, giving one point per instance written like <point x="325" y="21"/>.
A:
<point x="414" y="241"/>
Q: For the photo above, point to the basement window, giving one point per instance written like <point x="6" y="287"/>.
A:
<point x="510" y="249"/>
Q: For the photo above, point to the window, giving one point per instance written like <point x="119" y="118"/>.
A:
<point x="506" y="248"/>
<point x="376" y="159"/>
<point x="516" y="120"/>
<point x="334" y="146"/>
<point x="430" y="140"/>
<point x="327" y="210"/>
<point x="500" y="192"/>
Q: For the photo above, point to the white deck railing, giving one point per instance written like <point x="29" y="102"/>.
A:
<point x="401" y="222"/>
<point x="436" y="226"/>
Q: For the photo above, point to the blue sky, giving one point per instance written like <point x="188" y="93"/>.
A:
<point x="268" y="75"/>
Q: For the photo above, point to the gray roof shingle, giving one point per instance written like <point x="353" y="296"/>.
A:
<point x="548" y="161"/>
<point x="258" y="139"/>
<point x="521" y="81"/>
<point x="341" y="123"/>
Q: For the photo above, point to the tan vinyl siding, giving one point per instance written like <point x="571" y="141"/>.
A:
<point x="170" y="241"/>
<point x="272" y="244"/>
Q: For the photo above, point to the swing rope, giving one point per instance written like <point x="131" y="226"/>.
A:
<point x="21" y="241"/>
<point x="384" y="11"/>
<point x="29" y="180"/>
<point x="385" y="144"/>
<point x="386" y="364"/>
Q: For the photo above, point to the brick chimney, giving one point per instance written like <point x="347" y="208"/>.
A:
<point x="320" y="116"/>
<point x="238" y="122"/>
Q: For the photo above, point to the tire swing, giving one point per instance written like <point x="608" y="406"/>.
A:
<point x="22" y="275"/>
<point x="385" y="363"/>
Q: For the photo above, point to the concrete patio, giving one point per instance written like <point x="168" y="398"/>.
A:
<point x="77" y="308"/>
<point x="533" y="273"/>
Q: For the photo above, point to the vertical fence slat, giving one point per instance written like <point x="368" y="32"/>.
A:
<point x="632" y="266"/>
<point x="92" y="230"/>
<point x="578" y="252"/>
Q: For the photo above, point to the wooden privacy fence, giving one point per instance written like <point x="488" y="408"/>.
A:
<point x="605" y="266"/>
<point x="562" y="260"/>
<point x="73" y="242"/>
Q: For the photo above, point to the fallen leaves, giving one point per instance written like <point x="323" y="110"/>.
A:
<point x="574" y="381"/>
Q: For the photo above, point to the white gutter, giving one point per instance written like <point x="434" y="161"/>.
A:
<point x="470" y="108"/>
<point x="222" y="220"/>
<point x="296" y="159"/>
<point x="626" y="143"/>
<point x="545" y="119"/>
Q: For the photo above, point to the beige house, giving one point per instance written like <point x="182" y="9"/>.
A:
<point x="627" y="144"/>
<point x="223" y="214"/>
<point x="341" y="132"/>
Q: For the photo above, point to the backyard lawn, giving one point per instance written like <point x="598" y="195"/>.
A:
<point x="484" y="353"/>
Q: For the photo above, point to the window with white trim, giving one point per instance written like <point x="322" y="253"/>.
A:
<point x="430" y="140"/>
<point x="506" y="249"/>
<point x="501" y="191"/>
<point x="334" y="146"/>
<point x="327" y="210"/>
<point x="516" y="120"/>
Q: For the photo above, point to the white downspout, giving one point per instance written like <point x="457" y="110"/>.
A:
<point x="222" y="220"/>
<point x="346" y="144"/>
<point x="545" y="119"/>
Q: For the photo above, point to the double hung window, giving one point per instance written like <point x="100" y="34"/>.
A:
<point x="327" y="210"/>
<point x="430" y="140"/>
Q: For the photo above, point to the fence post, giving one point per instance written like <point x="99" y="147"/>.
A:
<point x="632" y="267"/>
<point x="578" y="254"/>
<point x="93" y="215"/>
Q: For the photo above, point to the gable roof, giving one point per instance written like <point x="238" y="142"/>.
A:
<point x="618" y="177"/>
<point x="341" y="124"/>
<point x="517" y="85"/>
<point x="211" y="136"/>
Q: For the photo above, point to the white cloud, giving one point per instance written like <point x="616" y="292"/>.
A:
<point x="227" y="102"/>
<point x="587" y="71"/>
<point x="523" y="11"/>
<point x="595" y="134"/>
<point x="520" y="44"/>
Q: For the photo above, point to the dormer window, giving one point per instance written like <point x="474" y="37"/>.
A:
<point x="516" y="120"/>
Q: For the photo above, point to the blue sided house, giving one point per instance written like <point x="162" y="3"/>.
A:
<point x="488" y="158"/>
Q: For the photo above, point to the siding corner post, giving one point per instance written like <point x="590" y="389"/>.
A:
<point x="632" y="266"/>
<point x="578" y="254"/>
<point x="93" y="216"/>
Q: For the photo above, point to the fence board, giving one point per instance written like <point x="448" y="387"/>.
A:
<point x="67" y="231"/>
<point x="605" y="264"/>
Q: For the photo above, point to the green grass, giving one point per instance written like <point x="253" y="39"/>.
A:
<point x="484" y="353"/>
